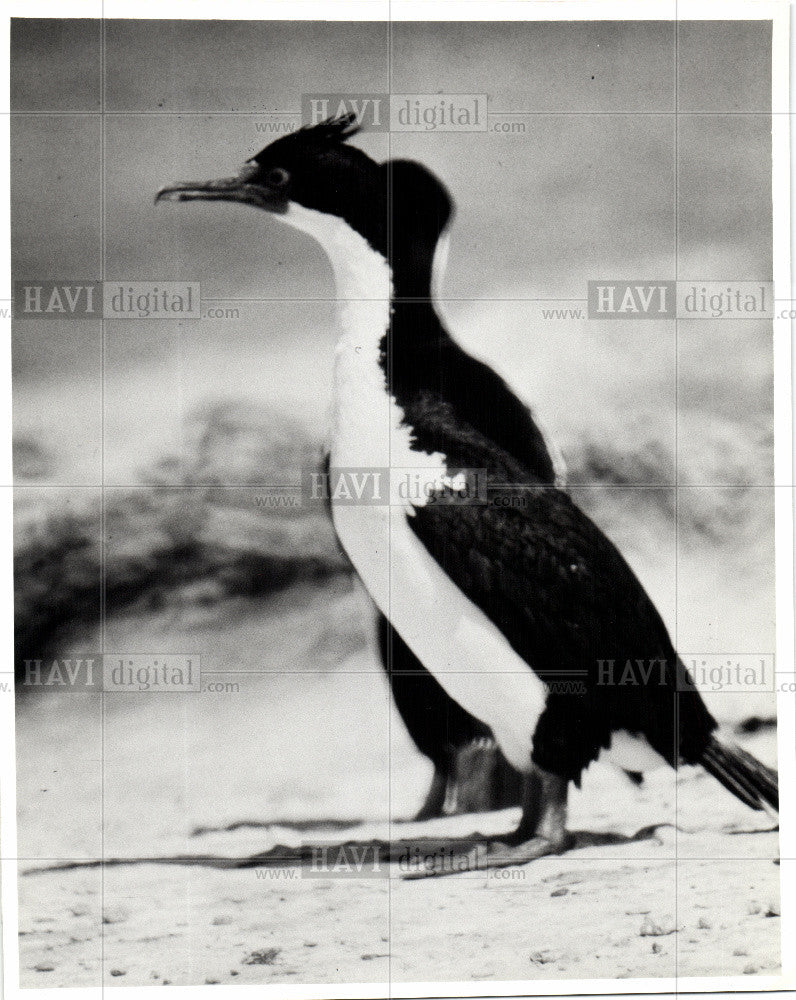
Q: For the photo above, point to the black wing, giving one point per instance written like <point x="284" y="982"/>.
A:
<point x="568" y="603"/>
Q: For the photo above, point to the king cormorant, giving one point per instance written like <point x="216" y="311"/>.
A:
<point x="494" y="598"/>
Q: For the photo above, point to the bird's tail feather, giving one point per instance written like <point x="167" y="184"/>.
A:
<point x="742" y="774"/>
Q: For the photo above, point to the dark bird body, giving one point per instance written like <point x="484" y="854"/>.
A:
<point x="500" y="598"/>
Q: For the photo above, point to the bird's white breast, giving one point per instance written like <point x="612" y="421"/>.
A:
<point x="450" y="635"/>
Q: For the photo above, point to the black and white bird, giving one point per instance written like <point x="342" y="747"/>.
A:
<point x="492" y="598"/>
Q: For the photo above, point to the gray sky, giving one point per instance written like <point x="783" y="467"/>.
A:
<point x="597" y="186"/>
<point x="578" y="194"/>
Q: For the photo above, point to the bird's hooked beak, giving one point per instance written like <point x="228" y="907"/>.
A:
<point x="241" y="188"/>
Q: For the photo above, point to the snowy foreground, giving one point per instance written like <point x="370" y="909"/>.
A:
<point x="310" y="735"/>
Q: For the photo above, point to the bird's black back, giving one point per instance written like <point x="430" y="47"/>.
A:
<point x="558" y="589"/>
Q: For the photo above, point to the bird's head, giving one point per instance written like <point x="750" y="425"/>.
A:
<point x="313" y="167"/>
<point x="399" y="207"/>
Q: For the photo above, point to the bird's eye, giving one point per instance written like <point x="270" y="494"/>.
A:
<point x="277" y="177"/>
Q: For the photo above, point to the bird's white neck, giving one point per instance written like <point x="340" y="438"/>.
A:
<point x="360" y="272"/>
<point x="368" y="428"/>
<point x="362" y="409"/>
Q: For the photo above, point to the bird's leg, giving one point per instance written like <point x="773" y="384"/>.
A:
<point x="474" y="776"/>
<point x="542" y="828"/>
<point x="434" y="803"/>
<point x="541" y="831"/>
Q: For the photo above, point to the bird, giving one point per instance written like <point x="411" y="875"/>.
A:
<point x="470" y="772"/>
<point x="492" y="576"/>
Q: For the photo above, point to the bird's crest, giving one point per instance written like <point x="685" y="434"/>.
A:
<point x="335" y="129"/>
<point x="331" y="131"/>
